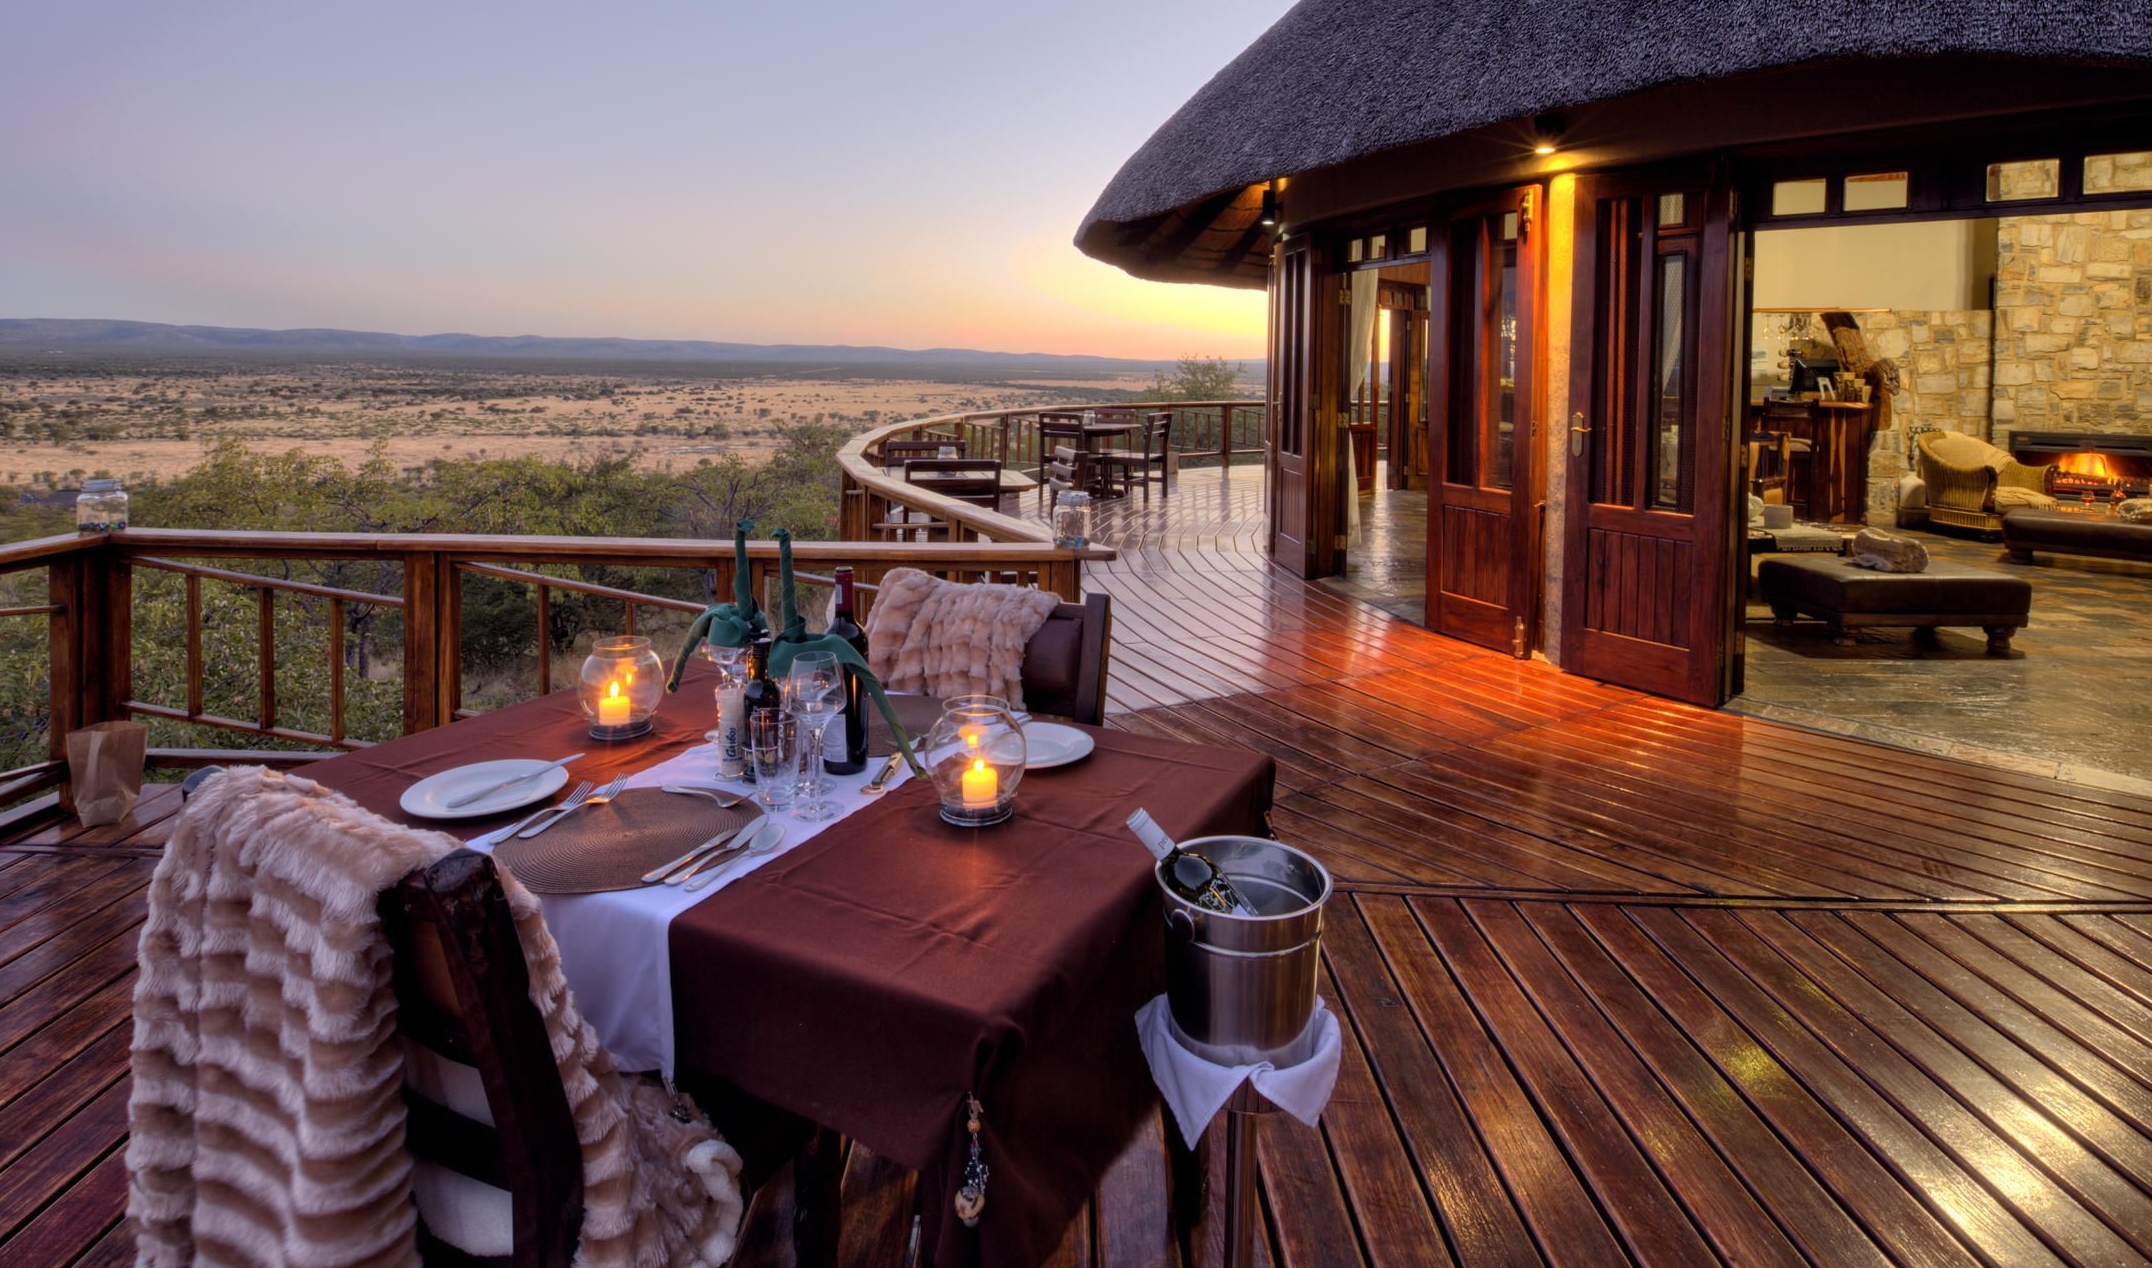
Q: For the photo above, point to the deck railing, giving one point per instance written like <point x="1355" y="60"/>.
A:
<point x="90" y="609"/>
<point x="876" y="501"/>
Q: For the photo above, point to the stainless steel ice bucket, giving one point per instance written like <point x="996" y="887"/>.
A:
<point x="1243" y="987"/>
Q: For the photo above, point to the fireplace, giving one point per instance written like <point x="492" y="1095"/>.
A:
<point x="2081" y="463"/>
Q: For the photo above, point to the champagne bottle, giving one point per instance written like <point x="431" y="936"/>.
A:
<point x="854" y="718"/>
<point x="760" y="693"/>
<point x="1189" y="875"/>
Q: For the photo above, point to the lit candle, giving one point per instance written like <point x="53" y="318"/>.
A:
<point x="982" y="787"/>
<point x="613" y="707"/>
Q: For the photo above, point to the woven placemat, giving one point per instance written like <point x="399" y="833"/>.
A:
<point x="917" y="713"/>
<point x="608" y="847"/>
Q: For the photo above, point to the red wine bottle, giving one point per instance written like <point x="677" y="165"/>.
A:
<point x="845" y="626"/>
<point x="760" y="693"/>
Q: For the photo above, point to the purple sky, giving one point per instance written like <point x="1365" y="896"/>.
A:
<point x="905" y="174"/>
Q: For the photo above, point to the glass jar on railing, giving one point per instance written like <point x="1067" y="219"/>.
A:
<point x="1072" y="519"/>
<point x="101" y="507"/>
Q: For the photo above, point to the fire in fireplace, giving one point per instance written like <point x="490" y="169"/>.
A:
<point x="2087" y="463"/>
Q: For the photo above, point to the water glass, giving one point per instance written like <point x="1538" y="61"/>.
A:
<point x="773" y="751"/>
<point x="813" y="693"/>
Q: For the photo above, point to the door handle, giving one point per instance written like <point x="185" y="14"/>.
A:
<point x="1578" y="430"/>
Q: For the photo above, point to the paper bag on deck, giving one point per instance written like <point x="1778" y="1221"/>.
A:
<point x="104" y="770"/>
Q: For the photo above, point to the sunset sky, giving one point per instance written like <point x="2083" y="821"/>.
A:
<point x="902" y="174"/>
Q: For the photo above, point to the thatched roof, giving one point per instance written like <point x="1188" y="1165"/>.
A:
<point x="1339" y="80"/>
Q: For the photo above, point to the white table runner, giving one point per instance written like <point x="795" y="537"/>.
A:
<point x="614" y="946"/>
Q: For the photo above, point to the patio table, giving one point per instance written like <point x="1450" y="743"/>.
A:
<point x="876" y="975"/>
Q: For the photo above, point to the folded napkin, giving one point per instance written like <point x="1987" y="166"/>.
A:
<point x="1197" y="1089"/>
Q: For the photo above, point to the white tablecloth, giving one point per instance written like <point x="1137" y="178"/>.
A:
<point x="613" y="946"/>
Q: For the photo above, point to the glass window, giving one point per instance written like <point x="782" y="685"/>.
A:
<point x="2032" y="178"/>
<point x="2118" y="173"/>
<point x="1673" y="210"/>
<point x="1378" y="246"/>
<point x="1876" y="191"/>
<point x="1505" y="365"/>
<point x="1799" y="198"/>
<point x="1416" y="239"/>
<point x="1509" y="226"/>
<point x="1669" y="386"/>
<point x="1354" y="251"/>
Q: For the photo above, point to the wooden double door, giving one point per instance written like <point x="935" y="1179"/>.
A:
<point x="1484" y="346"/>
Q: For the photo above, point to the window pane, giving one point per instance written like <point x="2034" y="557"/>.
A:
<point x="1799" y="198"/>
<point x="1353" y="251"/>
<point x="1378" y="246"/>
<point x="2118" y="173"/>
<point x="1877" y="191"/>
<point x="1509" y="226"/>
<point x="2033" y="178"/>
<point x="1673" y="210"/>
<point x="1416" y="240"/>
<point x="1668" y="389"/>
<point x="1505" y="366"/>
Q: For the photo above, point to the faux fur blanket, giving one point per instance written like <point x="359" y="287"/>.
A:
<point x="945" y="639"/>
<point x="1888" y="552"/>
<point x="266" y="1111"/>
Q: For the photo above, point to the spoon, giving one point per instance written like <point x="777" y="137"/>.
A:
<point x="725" y="800"/>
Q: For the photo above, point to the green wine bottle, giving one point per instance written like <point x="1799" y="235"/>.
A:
<point x="1189" y="875"/>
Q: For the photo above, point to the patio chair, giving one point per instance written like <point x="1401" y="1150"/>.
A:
<point x="1060" y="433"/>
<point x="903" y="523"/>
<point x="463" y="996"/>
<point x="1067" y="467"/>
<point x="1144" y="462"/>
<point x="1064" y="671"/>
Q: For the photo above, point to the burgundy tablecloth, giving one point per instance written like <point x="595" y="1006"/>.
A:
<point x="872" y="977"/>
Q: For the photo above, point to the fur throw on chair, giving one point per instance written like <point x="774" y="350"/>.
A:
<point x="266" y="1114"/>
<point x="946" y="639"/>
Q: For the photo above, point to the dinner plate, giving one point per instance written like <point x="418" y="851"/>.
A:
<point x="1050" y="744"/>
<point x="429" y="797"/>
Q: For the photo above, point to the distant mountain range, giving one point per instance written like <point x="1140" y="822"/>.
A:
<point x="45" y="336"/>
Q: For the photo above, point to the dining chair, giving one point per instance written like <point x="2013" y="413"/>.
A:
<point x="1144" y="462"/>
<point x="903" y="523"/>
<point x="1060" y="430"/>
<point x="974" y="480"/>
<point x="484" y="1100"/>
<point x="1064" y="667"/>
<point x="1067" y="467"/>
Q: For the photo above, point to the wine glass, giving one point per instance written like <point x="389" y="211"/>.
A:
<point x="812" y="695"/>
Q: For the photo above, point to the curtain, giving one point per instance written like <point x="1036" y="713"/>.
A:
<point x="1360" y="349"/>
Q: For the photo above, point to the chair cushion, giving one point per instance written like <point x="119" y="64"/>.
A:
<point x="1956" y="449"/>
<point x="1837" y="585"/>
<point x="1051" y="663"/>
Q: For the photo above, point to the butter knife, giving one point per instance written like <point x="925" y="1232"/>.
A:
<point x="735" y="836"/>
<point x="771" y="836"/>
<point x="874" y="786"/>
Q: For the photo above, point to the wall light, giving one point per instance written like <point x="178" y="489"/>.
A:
<point x="1546" y="134"/>
<point x="1269" y="218"/>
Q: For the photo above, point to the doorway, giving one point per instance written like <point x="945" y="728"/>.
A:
<point x="1385" y="414"/>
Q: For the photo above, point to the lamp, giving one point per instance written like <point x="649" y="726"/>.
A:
<point x="1546" y="134"/>
<point x="975" y="755"/>
<point x="1269" y="218"/>
<point x="621" y="685"/>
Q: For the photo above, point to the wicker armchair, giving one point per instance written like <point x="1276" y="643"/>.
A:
<point x="1972" y="484"/>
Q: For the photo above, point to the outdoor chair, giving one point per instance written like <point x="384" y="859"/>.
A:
<point x="463" y="996"/>
<point x="1060" y="432"/>
<point x="1144" y="462"/>
<point x="904" y="523"/>
<point x="1067" y="467"/>
<point x="1064" y="671"/>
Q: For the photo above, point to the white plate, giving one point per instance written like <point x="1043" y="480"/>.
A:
<point x="429" y="797"/>
<point x="1050" y="744"/>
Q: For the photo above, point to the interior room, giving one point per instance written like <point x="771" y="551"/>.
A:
<point x="1932" y="379"/>
<point x="1386" y="519"/>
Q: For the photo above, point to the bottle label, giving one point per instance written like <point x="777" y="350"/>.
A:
<point x="833" y="740"/>
<point x="731" y="725"/>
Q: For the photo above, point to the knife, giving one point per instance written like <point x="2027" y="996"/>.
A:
<point x="874" y="786"/>
<point x="768" y="839"/>
<point x="458" y="803"/>
<point x="735" y="837"/>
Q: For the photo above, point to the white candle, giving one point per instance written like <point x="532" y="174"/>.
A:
<point x="613" y="707"/>
<point x="982" y="787"/>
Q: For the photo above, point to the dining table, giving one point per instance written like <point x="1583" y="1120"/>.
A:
<point x="878" y="976"/>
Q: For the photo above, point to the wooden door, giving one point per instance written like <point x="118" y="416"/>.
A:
<point x="1482" y="573"/>
<point x="1406" y="426"/>
<point x="1292" y="313"/>
<point x="1647" y="515"/>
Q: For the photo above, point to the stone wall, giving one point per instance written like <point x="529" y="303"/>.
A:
<point x="2073" y="351"/>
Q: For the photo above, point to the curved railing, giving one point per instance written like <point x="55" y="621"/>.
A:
<point x="1203" y="433"/>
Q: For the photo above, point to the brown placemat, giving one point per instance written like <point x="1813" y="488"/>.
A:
<point x="610" y="846"/>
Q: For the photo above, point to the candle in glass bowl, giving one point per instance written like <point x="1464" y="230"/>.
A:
<point x="613" y="707"/>
<point x="981" y="786"/>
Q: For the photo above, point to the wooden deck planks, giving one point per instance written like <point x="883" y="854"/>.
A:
<point x="1620" y="980"/>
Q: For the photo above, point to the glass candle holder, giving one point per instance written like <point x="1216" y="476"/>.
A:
<point x="1072" y="519"/>
<point x="975" y="755"/>
<point x="623" y="680"/>
<point x="101" y="507"/>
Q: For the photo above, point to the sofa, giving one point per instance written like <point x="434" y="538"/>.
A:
<point x="1972" y="484"/>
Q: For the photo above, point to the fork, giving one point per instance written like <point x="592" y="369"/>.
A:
<point x="597" y="798"/>
<point x="570" y="802"/>
<point x="725" y="800"/>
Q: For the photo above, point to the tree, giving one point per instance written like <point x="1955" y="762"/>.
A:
<point x="1198" y="379"/>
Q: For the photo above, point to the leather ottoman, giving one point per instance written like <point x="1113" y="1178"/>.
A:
<point x="2068" y="533"/>
<point x="1832" y="588"/>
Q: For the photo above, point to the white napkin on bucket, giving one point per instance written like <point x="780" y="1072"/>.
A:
<point x="1197" y="1088"/>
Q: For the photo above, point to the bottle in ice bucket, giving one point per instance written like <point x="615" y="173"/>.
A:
<point x="1189" y="875"/>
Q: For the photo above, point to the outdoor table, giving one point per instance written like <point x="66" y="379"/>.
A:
<point x="875" y="975"/>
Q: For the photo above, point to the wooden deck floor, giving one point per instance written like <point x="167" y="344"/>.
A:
<point x="1623" y="980"/>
